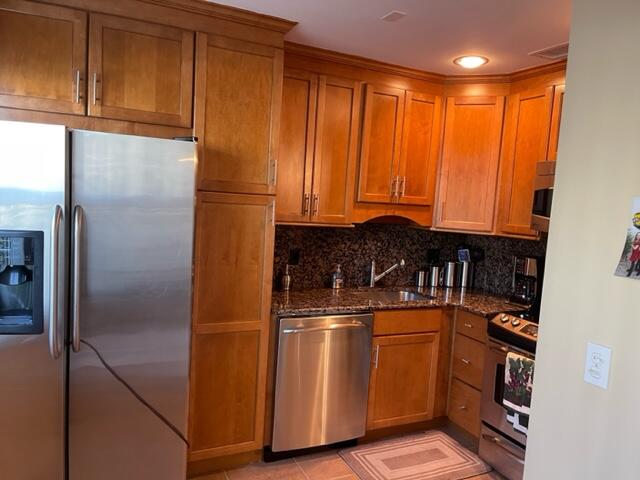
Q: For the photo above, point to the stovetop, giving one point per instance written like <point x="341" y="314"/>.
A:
<point x="519" y="329"/>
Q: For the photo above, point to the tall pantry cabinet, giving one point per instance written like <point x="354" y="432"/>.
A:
<point x="237" y="114"/>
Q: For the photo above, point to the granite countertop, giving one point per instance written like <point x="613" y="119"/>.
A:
<point x="327" y="301"/>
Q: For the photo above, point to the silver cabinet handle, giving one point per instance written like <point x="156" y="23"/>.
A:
<point x="496" y="441"/>
<point x="78" y="223"/>
<point x="337" y="326"/>
<point x="95" y="88"/>
<point x="403" y="180"/>
<point x="468" y="325"/>
<point x="274" y="170"/>
<point x="394" y="187"/>
<point x="465" y="361"/>
<point x="54" y="337"/>
<point x="316" y="201"/>
<point x="462" y="407"/>
<point x="306" y="204"/>
<point x="376" y="356"/>
<point x="78" y="79"/>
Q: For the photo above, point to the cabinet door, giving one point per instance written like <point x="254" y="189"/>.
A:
<point x="42" y="57"/>
<point x="238" y="99"/>
<point x="403" y="379"/>
<point x="141" y="72"/>
<point x="556" y="115"/>
<point x="231" y="311"/>
<point x="380" y="148"/>
<point x="297" y="137"/>
<point x="335" y="150"/>
<point x="525" y="144"/>
<point x="469" y="167"/>
<point x="419" y="156"/>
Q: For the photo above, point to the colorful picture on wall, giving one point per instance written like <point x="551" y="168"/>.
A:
<point x="629" y="265"/>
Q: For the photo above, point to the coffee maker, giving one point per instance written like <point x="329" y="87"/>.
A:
<point x="526" y="286"/>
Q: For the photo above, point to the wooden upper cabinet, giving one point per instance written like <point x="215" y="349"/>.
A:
<point x="42" y="57"/>
<point x="318" y="135"/>
<point x="381" y="143"/>
<point x="469" y="165"/>
<point x="556" y="115"/>
<point x="237" y="114"/>
<point x="526" y="143"/>
<point x="140" y="72"/>
<point x="335" y="150"/>
<point x="420" y="149"/>
<point x="403" y="379"/>
<point x="296" y="151"/>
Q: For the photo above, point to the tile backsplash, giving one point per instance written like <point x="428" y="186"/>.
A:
<point x="321" y="249"/>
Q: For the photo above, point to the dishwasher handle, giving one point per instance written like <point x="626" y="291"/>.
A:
<point x="337" y="326"/>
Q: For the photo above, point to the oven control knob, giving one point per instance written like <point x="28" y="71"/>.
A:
<point x="504" y="318"/>
<point x="515" y="322"/>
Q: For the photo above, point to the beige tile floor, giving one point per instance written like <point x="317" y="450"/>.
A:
<point x="320" y="466"/>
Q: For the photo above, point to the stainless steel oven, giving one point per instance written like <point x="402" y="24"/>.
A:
<point x="501" y="445"/>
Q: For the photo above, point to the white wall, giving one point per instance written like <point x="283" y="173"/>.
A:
<point x="579" y="431"/>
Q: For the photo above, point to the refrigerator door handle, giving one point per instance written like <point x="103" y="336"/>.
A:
<point x="78" y="219"/>
<point x="54" y="335"/>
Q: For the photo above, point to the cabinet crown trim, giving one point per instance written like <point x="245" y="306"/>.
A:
<point x="225" y="12"/>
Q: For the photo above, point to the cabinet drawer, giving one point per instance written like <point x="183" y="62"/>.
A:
<point x="464" y="407"/>
<point x="398" y="322"/>
<point x="468" y="360"/>
<point x="472" y="326"/>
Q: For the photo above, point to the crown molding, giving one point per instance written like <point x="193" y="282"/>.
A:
<point x="224" y="12"/>
<point x="362" y="62"/>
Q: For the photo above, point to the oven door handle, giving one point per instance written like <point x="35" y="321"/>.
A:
<point x="496" y="441"/>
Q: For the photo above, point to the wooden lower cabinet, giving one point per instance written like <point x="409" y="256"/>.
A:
<point x="467" y="371"/>
<point x="403" y="379"/>
<point x="464" y="406"/>
<point x="231" y="312"/>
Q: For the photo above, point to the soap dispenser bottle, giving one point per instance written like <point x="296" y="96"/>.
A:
<point x="337" y="278"/>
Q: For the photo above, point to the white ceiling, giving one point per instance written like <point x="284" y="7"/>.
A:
<point x="433" y="32"/>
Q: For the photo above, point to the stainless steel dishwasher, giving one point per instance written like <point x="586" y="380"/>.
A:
<point x="322" y="380"/>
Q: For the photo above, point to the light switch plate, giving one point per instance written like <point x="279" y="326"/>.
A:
<point x="597" y="365"/>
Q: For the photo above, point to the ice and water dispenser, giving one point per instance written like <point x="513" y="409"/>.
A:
<point x="21" y="282"/>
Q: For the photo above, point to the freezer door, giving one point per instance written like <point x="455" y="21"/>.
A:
<point x="132" y="236"/>
<point x="32" y="217"/>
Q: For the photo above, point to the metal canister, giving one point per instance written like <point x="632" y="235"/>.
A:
<point x="421" y="276"/>
<point x="465" y="274"/>
<point x="449" y="275"/>
<point x="434" y="276"/>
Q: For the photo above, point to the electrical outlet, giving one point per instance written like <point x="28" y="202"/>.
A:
<point x="597" y="365"/>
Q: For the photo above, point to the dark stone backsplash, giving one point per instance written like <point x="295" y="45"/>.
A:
<point x="354" y="248"/>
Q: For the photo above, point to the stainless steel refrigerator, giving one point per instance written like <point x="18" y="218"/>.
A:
<point x="96" y="236"/>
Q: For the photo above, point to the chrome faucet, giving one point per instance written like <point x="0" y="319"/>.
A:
<point x="374" y="278"/>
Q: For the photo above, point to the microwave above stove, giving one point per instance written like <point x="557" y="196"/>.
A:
<point x="543" y="195"/>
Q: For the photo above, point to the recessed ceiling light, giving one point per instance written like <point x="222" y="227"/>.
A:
<point x="471" y="61"/>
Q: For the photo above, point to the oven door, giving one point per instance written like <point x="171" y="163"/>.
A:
<point x="492" y="412"/>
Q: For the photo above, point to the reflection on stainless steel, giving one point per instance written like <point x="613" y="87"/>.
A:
<point x="133" y="298"/>
<point x="78" y="218"/>
<point x="32" y="182"/>
<point x="322" y="380"/>
<point x="55" y="347"/>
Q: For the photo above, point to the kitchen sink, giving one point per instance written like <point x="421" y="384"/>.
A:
<point x="393" y="296"/>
